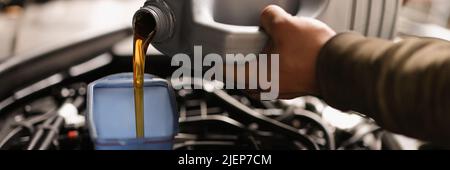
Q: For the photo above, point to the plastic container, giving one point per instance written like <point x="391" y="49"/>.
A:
<point x="232" y="26"/>
<point x="111" y="117"/>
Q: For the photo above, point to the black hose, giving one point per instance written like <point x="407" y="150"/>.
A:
<point x="242" y="110"/>
<point x="276" y="126"/>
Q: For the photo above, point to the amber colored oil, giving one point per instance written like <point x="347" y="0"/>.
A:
<point x="139" y="54"/>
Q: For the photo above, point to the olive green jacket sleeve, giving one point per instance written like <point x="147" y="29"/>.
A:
<point x="404" y="86"/>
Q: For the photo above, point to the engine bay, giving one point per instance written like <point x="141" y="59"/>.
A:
<point x="43" y="96"/>
<point x="35" y="119"/>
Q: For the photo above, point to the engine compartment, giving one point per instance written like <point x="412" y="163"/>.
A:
<point x="209" y="120"/>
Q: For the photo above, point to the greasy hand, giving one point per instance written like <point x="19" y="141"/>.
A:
<point x="298" y="42"/>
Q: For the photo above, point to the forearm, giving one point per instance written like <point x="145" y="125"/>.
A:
<point x="404" y="86"/>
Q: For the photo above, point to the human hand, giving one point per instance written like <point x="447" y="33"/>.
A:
<point x="298" y="41"/>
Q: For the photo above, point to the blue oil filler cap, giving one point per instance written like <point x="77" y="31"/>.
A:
<point x="111" y="116"/>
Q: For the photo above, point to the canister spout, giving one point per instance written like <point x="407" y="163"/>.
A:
<point x="143" y="23"/>
<point x="155" y="16"/>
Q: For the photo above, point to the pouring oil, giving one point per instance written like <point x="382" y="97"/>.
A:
<point x="139" y="54"/>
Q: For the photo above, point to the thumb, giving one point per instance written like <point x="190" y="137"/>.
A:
<point x="271" y="16"/>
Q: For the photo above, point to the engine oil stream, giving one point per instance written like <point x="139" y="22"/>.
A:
<point x="139" y="54"/>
